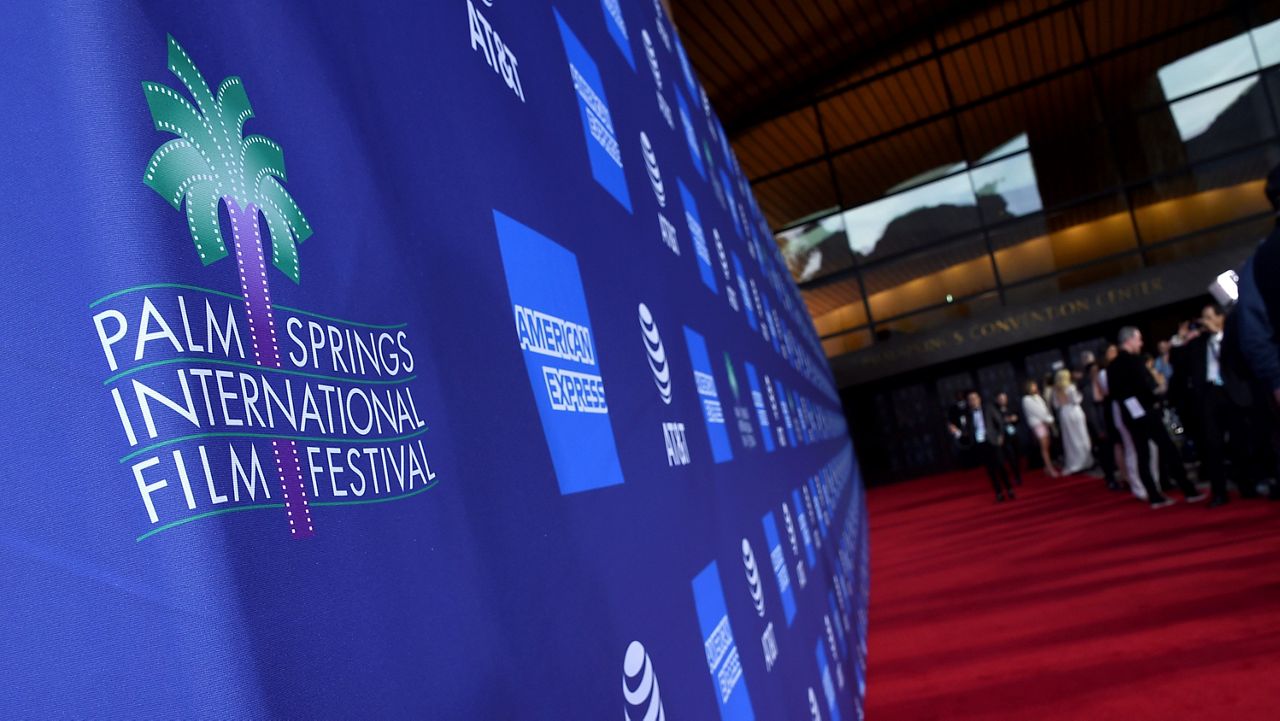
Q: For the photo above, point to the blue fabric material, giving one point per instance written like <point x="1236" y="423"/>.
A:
<point x="480" y="375"/>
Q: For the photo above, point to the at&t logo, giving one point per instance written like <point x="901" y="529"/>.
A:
<point x="753" y="577"/>
<point x="660" y="192"/>
<point x="640" y="686"/>
<point x="653" y="58"/>
<point x="655" y="175"/>
<point x="497" y="54"/>
<point x="672" y="433"/>
<point x="657" y="354"/>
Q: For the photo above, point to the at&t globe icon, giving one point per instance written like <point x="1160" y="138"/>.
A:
<point x="753" y="577"/>
<point x="657" y="353"/>
<point x="651" y="165"/>
<point x="640" y="686"/>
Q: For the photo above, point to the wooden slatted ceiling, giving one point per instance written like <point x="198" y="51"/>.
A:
<point x="760" y="56"/>
<point x="775" y="145"/>
<point x="750" y="53"/>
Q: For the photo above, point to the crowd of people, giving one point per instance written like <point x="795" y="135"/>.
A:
<point x="1207" y="399"/>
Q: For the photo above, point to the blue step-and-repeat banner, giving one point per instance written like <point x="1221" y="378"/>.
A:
<point x="404" y="359"/>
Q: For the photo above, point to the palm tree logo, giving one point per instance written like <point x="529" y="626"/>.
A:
<point x="211" y="163"/>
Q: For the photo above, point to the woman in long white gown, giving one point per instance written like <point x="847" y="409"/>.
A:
<point x="1076" y="446"/>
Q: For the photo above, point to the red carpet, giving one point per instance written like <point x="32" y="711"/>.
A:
<point x="1072" y="602"/>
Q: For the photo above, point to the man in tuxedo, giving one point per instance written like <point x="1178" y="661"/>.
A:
<point x="1133" y="388"/>
<point x="982" y="429"/>
<point x="1009" y="450"/>
<point x="1212" y="387"/>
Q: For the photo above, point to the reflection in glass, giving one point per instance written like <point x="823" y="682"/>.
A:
<point x="958" y="269"/>
<point x="1241" y="237"/>
<point x="1205" y="68"/>
<point x="1194" y="140"/>
<point x="906" y="220"/>
<point x="1007" y="188"/>
<point x="1064" y="238"/>
<point x="1195" y="116"/>
<point x="1019" y="143"/>
<point x="1050" y="288"/>
<point x="846" y="343"/>
<point x="1233" y="189"/>
<point x="815" y="249"/>
<point x="850" y="315"/>
<point x="1266" y="39"/>
<point x="927" y="176"/>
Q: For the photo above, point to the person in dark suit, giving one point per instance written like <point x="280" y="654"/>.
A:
<point x="1009" y="449"/>
<point x="1133" y="388"/>
<point x="1213" y="387"/>
<point x="1255" y="319"/>
<point x="1101" y="433"/>
<point x="982" y="429"/>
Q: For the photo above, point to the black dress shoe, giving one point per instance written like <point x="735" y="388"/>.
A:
<point x="1218" y="501"/>
<point x="999" y="498"/>
<point x="1011" y="496"/>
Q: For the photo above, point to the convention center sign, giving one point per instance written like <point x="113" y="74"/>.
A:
<point x="1117" y="298"/>
<point x="423" y="360"/>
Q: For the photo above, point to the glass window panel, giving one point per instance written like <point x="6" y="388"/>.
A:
<point x="949" y="313"/>
<point x="912" y="218"/>
<point x="959" y="269"/>
<point x="1148" y="144"/>
<point x="867" y="173"/>
<point x="1271" y="78"/>
<point x="1198" y="127"/>
<point x="1007" y="189"/>
<point x="850" y="315"/>
<point x="816" y="249"/>
<point x="1204" y="196"/>
<point x="1018" y="144"/>
<point x="846" y="343"/>
<point x="1267" y="41"/>
<point x="1043" y="113"/>
<point x="803" y="193"/>
<point x="1223" y="119"/>
<point x="1050" y="287"/>
<point x="1074" y="165"/>
<point x="1063" y="238"/>
<point x="826" y="296"/>
<point x="1023" y="250"/>
<point x="1241" y="236"/>
<point x="928" y="176"/>
<point x="1131" y="80"/>
<point x="1215" y="64"/>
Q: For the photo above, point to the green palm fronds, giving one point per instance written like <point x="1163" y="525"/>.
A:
<point x="211" y="159"/>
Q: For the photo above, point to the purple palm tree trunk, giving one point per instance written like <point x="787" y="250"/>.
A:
<point x="266" y="352"/>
